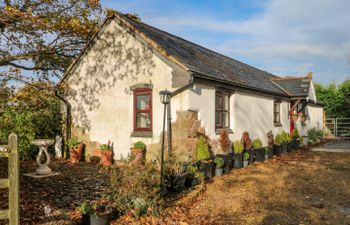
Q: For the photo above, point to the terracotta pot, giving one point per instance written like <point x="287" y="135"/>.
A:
<point x="138" y="155"/>
<point x="106" y="158"/>
<point x="76" y="153"/>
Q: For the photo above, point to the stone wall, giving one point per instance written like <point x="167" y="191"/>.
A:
<point x="185" y="132"/>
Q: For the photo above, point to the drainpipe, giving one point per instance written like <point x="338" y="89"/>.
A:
<point x="68" y="120"/>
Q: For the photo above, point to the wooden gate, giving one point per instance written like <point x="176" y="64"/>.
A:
<point x="10" y="151"/>
<point x="339" y="127"/>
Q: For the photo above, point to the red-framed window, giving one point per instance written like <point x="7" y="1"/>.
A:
<point x="143" y="109"/>
<point x="222" y="110"/>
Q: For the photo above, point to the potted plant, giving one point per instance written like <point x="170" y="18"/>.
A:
<point x="106" y="155"/>
<point x="246" y="156"/>
<point x="277" y="149"/>
<point x="247" y="142"/>
<point x="138" y="153"/>
<point x="268" y="153"/>
<point x="193" y="177"/>
<point x="285" y="139"/>
<point x="295" y="138"/>
<point x="219" y="164"/>
<point x="224" y="147"/>
<point x="96" y="213"/>
<point x="259" y="150"/>
<point x="75" y="150"/>
<point x="295" y="117"/>
<point x="238" y="148"/>
<point x="203" y="155"/>
<point x="176" y="174"/>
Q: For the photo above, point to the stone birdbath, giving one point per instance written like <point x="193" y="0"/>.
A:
<point x="43" y="144"/>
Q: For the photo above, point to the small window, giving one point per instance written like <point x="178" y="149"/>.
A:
<point x="143" y="110"/>
<point x="277" y="112"/>
<point x="222" y="111"/>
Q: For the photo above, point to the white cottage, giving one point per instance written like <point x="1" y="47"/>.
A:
<point x="114" y="90"/>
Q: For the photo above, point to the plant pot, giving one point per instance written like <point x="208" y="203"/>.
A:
<point x="176" y="182"/>
<point x="106" y="158"/>
<point x="251" y="155"/>
<point x="76" y="153"/>
<point x="227" y="160"/>
<point x="191" y="180"/>
<point x="295" y="144"/>
<point x="277" y="149"/>
<point x="270" y="152"/>
<point x="138" y="156"/>
<point x="207" y="169"/>
<point x="266" y="156"/>
<point x="259" y="154"/>
<point x="245" y="163"/>
<point x="284" y="147"/>
<point x="237" y="161"/>
<point x="218" y="172"/>
<point x="96" y="219"/>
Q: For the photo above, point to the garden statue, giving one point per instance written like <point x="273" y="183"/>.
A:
<point x="43" y="144"/>
<point x="58" y="147"/>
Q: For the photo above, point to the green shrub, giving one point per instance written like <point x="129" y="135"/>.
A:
<point x="267" y="151"/>
<point x="315" y="135"/>
<point x="219" y="162"/>
<point x="73" y="143"/>
<point x="278" y="139"/>
<point x="104" y="147"/>
<point x="238" y="147"/>
<point x="140" y="145"/>
<point x="136" y="190"/>
<point x="202" y="150"/>
<point x="257" y="144"/>
<point x="295" y="134"/>
<point x="285" y="137"/>
<point x="246" y="156"/>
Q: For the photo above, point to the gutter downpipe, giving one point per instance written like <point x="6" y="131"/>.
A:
<point x="174" y="93"/>
<point x="68" y="120"/>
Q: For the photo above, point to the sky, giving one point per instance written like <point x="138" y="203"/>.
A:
<point x="283" y="37"/>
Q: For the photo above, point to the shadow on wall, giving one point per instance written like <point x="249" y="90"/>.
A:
<point x="113" y="58"/>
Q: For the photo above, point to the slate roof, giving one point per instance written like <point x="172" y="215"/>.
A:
<point x="298" y="87"/>
<point x="206" y="62"/>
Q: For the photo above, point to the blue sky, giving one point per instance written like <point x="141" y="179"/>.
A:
<point x="280" y="36"/>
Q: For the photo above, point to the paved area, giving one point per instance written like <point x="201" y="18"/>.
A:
<point x="334" y="146"/>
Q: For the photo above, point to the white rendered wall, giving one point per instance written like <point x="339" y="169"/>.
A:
<point x="248" y="112"/>
<point x="101" y="99"/>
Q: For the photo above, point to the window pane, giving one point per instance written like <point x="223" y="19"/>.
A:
<point x="143" y="120"/>
<point x="225" y="102"/>
<point x="225" y="119"/>
<point x="217" y="118"/>
<point x="142" y="102"/>
<point x="217" y="102"/>
<point x="277" y="118"/>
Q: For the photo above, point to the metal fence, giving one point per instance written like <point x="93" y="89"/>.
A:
<point x="340" y="127"/>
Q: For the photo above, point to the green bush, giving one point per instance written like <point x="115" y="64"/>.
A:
<point x="104" y="147"/>
<point x="202" y="150"/>
<point x="219" y="162"/>
<point x="315" y="135"/>
<point x="278" y="139"/>
<point x="73" y="143"/>
<point x="285" y="137"/>
<point x="31" y="115"/>
<point x="257" y="144"/>
<point x="140" y="145"/>
<point x="246" y="156"/>
<point x="295" y="134"/>
<point x="137" y="190"/>
<point x="238" y="147"/>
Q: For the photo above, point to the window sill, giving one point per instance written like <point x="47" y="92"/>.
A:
<point x="219" y="130"/>
<point x="142" y="134"/>
<point x="278" y="124"/>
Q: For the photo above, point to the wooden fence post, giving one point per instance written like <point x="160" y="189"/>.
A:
<point x="13" y="180"/>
